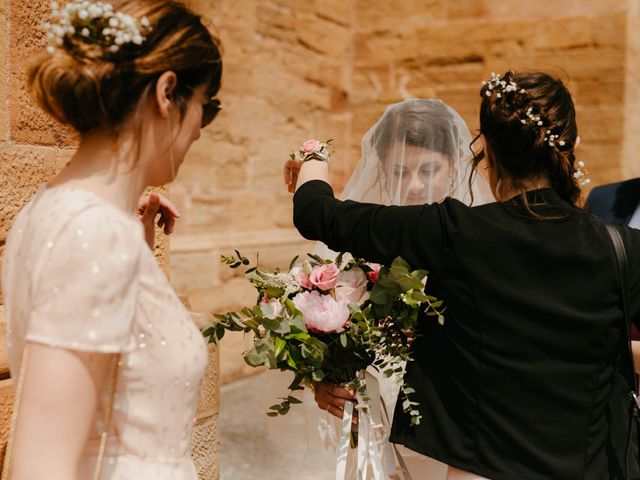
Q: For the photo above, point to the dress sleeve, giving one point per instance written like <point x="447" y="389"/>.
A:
<point x="377" y="233"/>
<point x="86" y="287"/>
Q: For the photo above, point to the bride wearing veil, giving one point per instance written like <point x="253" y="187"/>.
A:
<point x="418" y="152"/>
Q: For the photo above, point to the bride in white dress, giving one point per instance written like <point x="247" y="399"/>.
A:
<point x="418" y="152"/>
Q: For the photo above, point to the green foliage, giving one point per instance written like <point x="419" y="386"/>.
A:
<point x="379" y="333"/>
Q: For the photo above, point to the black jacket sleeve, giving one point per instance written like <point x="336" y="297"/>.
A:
<point x="375" y="232"/>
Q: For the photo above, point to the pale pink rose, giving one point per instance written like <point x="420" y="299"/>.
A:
<point x="325" y="276"/>
<point x="321" y="312"/>
<point x="375" y="270"/>
<point x="272" y="308"/>
<point x="311" y="146"/>
<point x="302" y="278"/>
<point x="352" y="287"/>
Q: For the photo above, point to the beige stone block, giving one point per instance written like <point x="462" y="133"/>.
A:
<point x="600" y="124"/>
<point x="4" y="354"/>
<point x="542" y="11"/>
<point x="564" y="33"/>
<point x="233" y="294"/>
<point x="194" y="270"/>
<point x="276" y="21"/>
<point x="321" y="35"/>
<point x="29" y="124"/>
<point x="209" y="400"/>
<point x="204" y="448"/>
<point x="208" y="211"/>
<point x="337" y="11"/>
<point x="603" y="160"/>
<point x="214" y="163"/>
<point x="390" y="15"/>
<point x="22" y="171"/>
<point x="464" y="9"/>
<point x="607" y="92"/>
<point x="4" y="40"/>
<point x="6" y="408"/>
<point x="611" y="30"/>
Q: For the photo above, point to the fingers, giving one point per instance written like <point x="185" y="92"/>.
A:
<point x="149" y="209"/>
<point x="168" y="207"/>
<point x="291" y="170"/>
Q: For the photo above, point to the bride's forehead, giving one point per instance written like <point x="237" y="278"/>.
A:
<point x="411" y="155"/>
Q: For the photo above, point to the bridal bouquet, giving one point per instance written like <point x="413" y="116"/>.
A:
<point x="330" y="319"/>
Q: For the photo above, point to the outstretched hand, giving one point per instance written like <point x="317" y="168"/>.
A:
<point x="291" y="171"/>
<point x="333" y="398"/>
<point x="152" y="206"/>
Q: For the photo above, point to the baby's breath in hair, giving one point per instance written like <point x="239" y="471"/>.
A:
<point x="94" y="23"/>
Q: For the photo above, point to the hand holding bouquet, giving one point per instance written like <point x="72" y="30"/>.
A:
<point x="330" y="319"/>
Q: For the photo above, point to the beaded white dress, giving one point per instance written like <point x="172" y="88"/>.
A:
<point x="78" y="275"/>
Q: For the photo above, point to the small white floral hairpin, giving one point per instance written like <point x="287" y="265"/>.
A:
<point x="496" y="84"/>
<point x="581" y="174"/>
<point x="551" y="138"/>
<point x="94" y="22"/>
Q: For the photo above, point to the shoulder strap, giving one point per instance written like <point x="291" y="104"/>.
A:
<point x="622" y="267"/>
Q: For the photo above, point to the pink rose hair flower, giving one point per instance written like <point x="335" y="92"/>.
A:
<point x="321" y="312"/>
<point x="325" y="277"/>
<point x="311" y="146"/>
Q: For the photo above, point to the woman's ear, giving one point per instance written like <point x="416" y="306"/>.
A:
<point x="577" y="142"/>
<point x="165" y="88"/>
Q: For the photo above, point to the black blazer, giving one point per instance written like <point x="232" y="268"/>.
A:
<point x="616" y="202"/>
<point x="520" y="382"/>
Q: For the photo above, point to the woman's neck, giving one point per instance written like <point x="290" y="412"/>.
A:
<point x="508" y="190"/>
<point x="106" y="164"/>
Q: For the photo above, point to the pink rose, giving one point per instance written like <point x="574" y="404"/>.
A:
<point x="321" y="312"/>
<point x="325" y="276"/>
<point x="373" y="274"/>
<point x="311" y="146"/>
<point x="352" y="287"/>
<point x="302" y="278"/>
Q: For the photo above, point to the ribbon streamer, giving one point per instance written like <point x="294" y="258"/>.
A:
<point x="376" y="458"/>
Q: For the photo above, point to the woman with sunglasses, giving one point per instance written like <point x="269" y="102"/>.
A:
<point x="107" y="361"/>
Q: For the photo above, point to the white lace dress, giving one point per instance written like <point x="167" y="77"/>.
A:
<point x="78" y="275"/>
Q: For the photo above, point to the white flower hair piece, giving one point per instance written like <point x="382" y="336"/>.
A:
<point x="94" y="22"/>
<point x="581" y="174"/>
<point x="500" y="86"/>
<point x="551" y="138"/>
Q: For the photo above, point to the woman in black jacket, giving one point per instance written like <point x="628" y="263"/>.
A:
<point x="524" y="379"/>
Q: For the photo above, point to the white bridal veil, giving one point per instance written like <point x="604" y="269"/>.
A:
<point x="417" y="152"/>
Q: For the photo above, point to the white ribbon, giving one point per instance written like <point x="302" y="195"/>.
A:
<point x="376" y="459"/>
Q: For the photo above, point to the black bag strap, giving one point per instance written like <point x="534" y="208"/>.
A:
<point x="623" y="275"/>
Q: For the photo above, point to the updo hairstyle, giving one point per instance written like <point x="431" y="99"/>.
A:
<point x="531" y="130"/>
<point x="88" y="86"/>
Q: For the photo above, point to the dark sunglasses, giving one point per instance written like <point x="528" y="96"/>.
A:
<point x="209" y="111"/>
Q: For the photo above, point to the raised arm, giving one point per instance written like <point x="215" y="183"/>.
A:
<point x="375" y="232"/>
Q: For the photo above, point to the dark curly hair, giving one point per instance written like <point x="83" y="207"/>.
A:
<point x="520" y="146"/>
